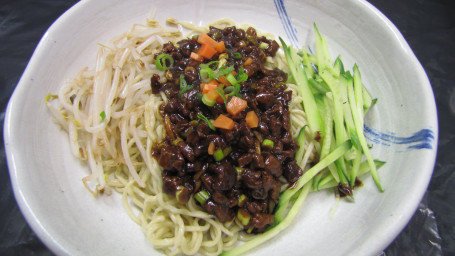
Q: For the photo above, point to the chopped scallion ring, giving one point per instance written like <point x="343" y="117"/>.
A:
<point x="202" y="196"/>
<point x="206" y="120"/>
<point x="218" y="155"/>
<point x="162" y="61"/>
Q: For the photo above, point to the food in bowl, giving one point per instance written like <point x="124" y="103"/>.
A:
<point x="212" y="136"/>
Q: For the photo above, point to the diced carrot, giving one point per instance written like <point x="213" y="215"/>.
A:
<point x="223" y="122"/>
<point x="252" y="119"/>
<point x="236" y="105"/>
<point x="196" y="57"/>
<point x="248" y="61"/>
<point x="212" y="95"/>
<point x="223" y="80"/>
<point x="211" y="148"/>
<point x="207" y="40"/>
<point x="212" y="85"/>
<point x="220" y="47"/>
<point x="206" y="51"/>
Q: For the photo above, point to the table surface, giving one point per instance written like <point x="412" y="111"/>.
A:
<point x="427" y="25"/>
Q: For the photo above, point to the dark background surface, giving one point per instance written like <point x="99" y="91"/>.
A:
<point x="427" y="25"/>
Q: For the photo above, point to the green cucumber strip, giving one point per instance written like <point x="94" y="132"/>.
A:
<point x="355" y="169"/>
<point x="313" y="116"/>
<point x="318" y="87"/>
<point x="322" y="52"/>
<point x="367" y="100"/>
<point x="364" y="168"/>
<point x="358" y="122"/>
<point x="301" y="143"/>
<point x="338" y="117"/>
<point x="262" y="238"/>
<point x="307" y="176"/>
<point x="307" y="63"/>
<point x="338" y="66"/>
<point x="358" y="91"/>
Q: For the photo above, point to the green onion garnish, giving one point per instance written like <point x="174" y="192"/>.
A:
<point x="207" y="121"/>
<point x="207" y="101"/>
<point x="221" y="93"/>
<point x="206" y="74"/>
<point x="223" y="71"/>
<point x="184" y="87"/>
<point x="243" y="216"/>
<point x="231" y="79"/>
<point x="267" y="143"/>
<point x="202" y="196"/>
<point x="218" y="155"/>
<point x="242" y="200"/>
<point x="263" y="45"/>
<point x="235" y="55"/>
<point x="162" y="61"/>
<point x="213" y="65"/>
<point x="241" y="76"/>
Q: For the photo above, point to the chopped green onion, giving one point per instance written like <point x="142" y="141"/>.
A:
<point x="218" y="155"/>
<point x="184" y="87"/>
<point x="103" y="116"/>
<point x="199" y="95"/>
<point x="241" y="76"/>
<point x="176" y="141"/>
<point x="267" y="143"/>
<point x="207" y="101"/>
<point x="161" y="62"/>
<point x="242" y="200"/>
<point x="206" y="74"/>
<point x="223" y="71"/>
<point x="222" y="94"/>
<point x="202" y="196"/>
<point x="227" y="151"/>
<point x="235" y="55"/>
<point x="243" y="216"/>
<point x="233" y="90"/>
<point x="239" y="172"/>
<point x="213" y="65"/>
<point x="207" y="121"/>
<point x="231" y="79"/>
<point x="223" y="56"/>
<point x="263" y="45"/>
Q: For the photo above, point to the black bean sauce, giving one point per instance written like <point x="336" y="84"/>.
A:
<point x="246" y="181"/>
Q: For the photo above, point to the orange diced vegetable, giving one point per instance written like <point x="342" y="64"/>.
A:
<point x="212" y="95"/>
<point x="220" y="47"/>
<point x="252" y="119"/>
<point x="207" y="40"/>
<point x="248" y="61"/>
<point x="211" y="148"/>
<point x="236" y="105"/>
<point x="223" y="122"/>
<point x="223" y="80"/>
<point x="196" y="57"/>
<point x="206" y="51"/>
<point x="212" y="85"/>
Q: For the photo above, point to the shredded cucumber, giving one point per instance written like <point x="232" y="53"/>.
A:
<point x="335" y="103"/>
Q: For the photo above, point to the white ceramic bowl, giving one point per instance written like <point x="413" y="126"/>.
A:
<point x="403" y="127"/>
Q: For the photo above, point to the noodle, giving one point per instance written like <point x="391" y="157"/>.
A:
<point x="113" y="121"/>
